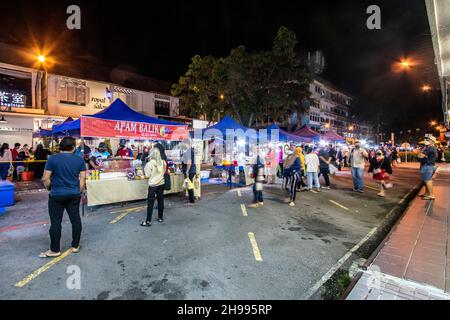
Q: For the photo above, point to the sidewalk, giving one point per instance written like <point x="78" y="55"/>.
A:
<point x="414" y="262"/>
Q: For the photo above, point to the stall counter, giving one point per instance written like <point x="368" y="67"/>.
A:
<point x="106" y="191"/>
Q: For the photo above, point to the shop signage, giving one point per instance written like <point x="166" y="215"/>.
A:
<point x="92" y="127"/>
<point x="15" y="129"/>
<point x="99" y="103"/>
<point x="11" y="99"/>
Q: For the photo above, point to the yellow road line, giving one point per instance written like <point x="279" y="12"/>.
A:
<point x="255" y="248"/>
<point x="376" y="189"/>
<point x="239" y="193"/>
<point x="129" y="209"/>
<point x="120" y="217"/>
<point x="244" y="210"/>
<point x="339" y="205"/>
<point x="42" y="269"/>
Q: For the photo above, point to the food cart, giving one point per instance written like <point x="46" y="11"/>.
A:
<point x="123" y="179"/>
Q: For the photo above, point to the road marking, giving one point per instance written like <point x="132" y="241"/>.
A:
<point x="129" y="209"/>
<point x="339" y="205"/>
<point x="239" y="193"/>
<point x="338" y="264"/>
<point x="120" y="217"/>
<point x="244" y="210"/>
<point x="22" y="226"/>
<point x="373" y="188"/>
<point x="42" y="269"/>
<point x="255" y="248"/>
<point x="341" y="261"/>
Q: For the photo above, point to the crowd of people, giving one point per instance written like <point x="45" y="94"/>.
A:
<point x="311" y="162"/>
<point x="64" y="173"/>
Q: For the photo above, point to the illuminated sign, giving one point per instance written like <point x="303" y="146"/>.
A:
<point x="11" y="99"/>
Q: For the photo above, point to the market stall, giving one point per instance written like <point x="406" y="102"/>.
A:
<point x="232" y="165"/>
<point x="332" y="136"/>
<point x="123" y="179"/>
<point x="308" y="134"/>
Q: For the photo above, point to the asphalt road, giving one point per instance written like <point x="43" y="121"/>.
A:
<point x="200" y="252"/>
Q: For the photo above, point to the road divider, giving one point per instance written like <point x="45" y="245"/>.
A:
<point x="255" y="247"/>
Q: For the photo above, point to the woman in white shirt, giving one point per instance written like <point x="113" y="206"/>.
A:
<point x="5" y="161"/>
<point x="312" y="169"/>
<point x="155" y="169"/>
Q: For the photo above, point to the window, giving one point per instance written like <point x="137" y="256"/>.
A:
<point x="73" y="91"/>
<point x="162" y="108"/>
<point x="15" y="88"/>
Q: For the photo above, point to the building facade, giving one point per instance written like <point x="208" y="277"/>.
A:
<point x="329" y="109"/>
<point x="22" y="89"/>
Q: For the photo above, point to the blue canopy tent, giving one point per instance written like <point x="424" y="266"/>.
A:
<point x="284" y="136"/>
<point x="219" y="130"/>
<point x="69" y="128"/>
<point x="117" y="111"/>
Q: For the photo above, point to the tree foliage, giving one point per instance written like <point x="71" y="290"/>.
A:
<point x="251" y="86"/>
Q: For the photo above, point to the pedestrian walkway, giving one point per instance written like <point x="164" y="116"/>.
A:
<point x="414" y="262"/>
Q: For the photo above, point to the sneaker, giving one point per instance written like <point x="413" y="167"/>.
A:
<point x="317" y="190"/>
<point x="326" y="188"/>
<point x="254" y="205"/>
<point x="76" y="250"/>
<point x="292" y="204"/>
<point x="361" y="191"/>
<point x="160" y="220"/>
<point x="189" y="204"/>
<point x="261" y="204"/>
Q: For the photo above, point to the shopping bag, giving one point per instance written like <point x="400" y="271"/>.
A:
<point x="333" y="170"/>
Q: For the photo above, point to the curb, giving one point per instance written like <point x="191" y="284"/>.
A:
<point x="384" y="230"/>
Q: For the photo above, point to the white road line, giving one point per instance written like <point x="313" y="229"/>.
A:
<point x="342" y="260"/>
<point x="338" y="264"/>
<point x="244" y="210"/>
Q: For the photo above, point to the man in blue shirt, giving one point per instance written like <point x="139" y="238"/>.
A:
<point x="427" y="166"/>
<point x="65" y="177"/>
<point x="189" y="169"/>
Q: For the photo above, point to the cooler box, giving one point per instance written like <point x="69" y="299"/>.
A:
<point x="6" y="194"/>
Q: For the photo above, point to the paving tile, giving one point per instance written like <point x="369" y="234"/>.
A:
<point x="401" y="252"/>
<point x="425" y="278"/>
<point x="387" y="296"/>
<point x="392" y="259"/>
<point x="393" y="270"/>
<point x="426" y="266"/>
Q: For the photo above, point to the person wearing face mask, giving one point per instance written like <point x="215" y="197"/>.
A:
<point x="357" y="163"/>
<point x="380" y="168"/>
<point x="427" y="166"/>
<point x="292" y="171"/>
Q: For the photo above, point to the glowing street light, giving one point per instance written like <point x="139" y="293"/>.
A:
<point x="41" y="58"/>
<point x="405" y="64"/>
<point x="351" y="128"/>
<point x="222" y="96"/>
<point x="433" y="123"/>
<point x="426" y="88"/>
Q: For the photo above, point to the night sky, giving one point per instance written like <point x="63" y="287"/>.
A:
<point x="159" y="39"/>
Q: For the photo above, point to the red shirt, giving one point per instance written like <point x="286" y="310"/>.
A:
<point x="14" y="154"/>
<point x="125" y="152"/>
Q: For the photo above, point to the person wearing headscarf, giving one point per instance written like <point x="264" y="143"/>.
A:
<point x="154" y="170"/>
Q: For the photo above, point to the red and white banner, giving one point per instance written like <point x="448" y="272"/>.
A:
<point x="100" y="128"/>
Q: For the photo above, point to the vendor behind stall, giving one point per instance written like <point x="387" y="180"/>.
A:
<point x="124" y="151"/>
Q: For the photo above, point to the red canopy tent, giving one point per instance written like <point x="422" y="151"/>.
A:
<point x="307" y="133"/>
<point x="332" y="136"/>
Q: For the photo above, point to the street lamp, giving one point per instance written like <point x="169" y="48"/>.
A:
<point x="426" y="88"/>
<point x="43" y="80"/>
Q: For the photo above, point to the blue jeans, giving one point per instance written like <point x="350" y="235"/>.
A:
<point x="358" y="178"/>
<point x="310" y="176"/>
<point x="4" y="168"/>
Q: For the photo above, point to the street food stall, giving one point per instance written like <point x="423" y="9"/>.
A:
<point x="123" y="179"/>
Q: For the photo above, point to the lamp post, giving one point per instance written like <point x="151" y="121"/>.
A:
<point x="43" y="78"/>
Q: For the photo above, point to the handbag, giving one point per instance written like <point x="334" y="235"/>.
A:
<point x="167" y="182"/>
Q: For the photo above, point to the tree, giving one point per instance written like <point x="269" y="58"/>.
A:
<point x="252" y="86"/>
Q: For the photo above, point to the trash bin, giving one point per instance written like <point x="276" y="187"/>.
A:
<point x="6" y="195"/>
